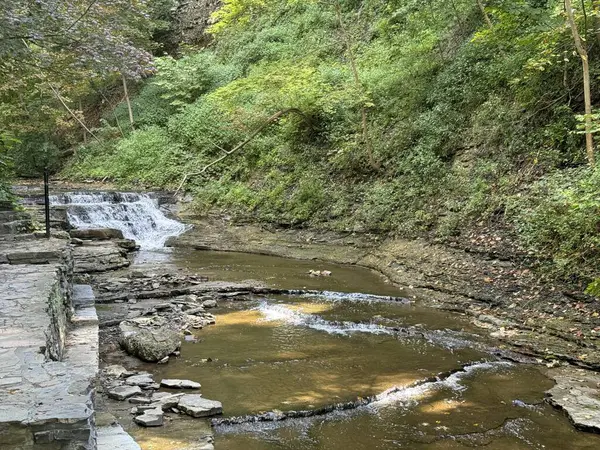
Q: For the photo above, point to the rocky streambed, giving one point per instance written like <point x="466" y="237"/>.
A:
<point x="288" y="366"/>
<point x="307" y="354"/>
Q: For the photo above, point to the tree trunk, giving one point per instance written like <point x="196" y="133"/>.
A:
<point x="587" y="96"/>
<point x="127" y="100"/>
<point x="84" y="132"/>
<point x="363" y="110"/>
<point x="485" y="14"/>
<point x="596" y="12"/>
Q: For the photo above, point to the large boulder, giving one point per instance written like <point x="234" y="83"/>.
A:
<point x="149" y="344"/>
<point x="98" y="234"/>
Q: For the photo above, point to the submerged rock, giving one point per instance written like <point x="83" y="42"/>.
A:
<point x="148" y="344"/>
<point x="140" y="400"/>
<point x="114" y="371"/>
<point x="196" y="406"/>
<point x="180" y="384"/>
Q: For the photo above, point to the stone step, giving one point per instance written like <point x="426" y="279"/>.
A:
<point x="113" y="437"/>
<point x="83" y="295"/>
<point x="84" y="315"/>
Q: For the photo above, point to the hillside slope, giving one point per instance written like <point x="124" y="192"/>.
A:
<point x="407" y="117"/>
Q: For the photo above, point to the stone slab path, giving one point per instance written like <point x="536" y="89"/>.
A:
<point x="45" y="399"/>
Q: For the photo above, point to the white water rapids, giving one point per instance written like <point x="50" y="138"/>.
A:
<point x="137" y="215"/>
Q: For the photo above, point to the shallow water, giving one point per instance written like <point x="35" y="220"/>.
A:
<point x="286" y="353"/>
<point x="283" y="272"/>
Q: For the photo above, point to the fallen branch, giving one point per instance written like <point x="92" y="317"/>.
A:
<point x="58" y="96"/>
<point x="264" y="125"/>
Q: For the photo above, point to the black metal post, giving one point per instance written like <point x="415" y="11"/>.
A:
<point x="47" y="203"/>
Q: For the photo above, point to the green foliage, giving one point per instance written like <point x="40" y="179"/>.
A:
<point x="562" y="218"/>
<point x="145" y="157"/>
<point x="149" y="108"/>
<point x="594" y="288"/>
<point x="7" y="141"/>
<point x="182" y="81"/>
<point x="33" y="153"/>
<point x="468" y="122"/>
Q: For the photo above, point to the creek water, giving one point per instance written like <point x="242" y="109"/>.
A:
<point x="283" y="353"/>
<point x="299" y="352"/>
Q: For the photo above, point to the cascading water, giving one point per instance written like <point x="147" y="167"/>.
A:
<point x="136" y="215"/>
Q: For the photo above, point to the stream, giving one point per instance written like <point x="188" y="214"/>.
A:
<point x="306" y="352"/>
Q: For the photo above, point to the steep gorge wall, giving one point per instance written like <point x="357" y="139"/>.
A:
<point x="191" y="20"/>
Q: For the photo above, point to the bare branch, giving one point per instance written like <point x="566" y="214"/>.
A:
<point x="57" y="95"/>
<point x="264" y="125"/>
<point x="92" y="3"/>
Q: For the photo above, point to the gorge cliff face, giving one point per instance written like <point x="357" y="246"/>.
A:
<point x="192" y="17"/>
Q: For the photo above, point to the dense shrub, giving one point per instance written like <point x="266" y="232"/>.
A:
<point x="561" y="218"/>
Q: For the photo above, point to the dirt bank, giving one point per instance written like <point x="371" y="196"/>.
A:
<point x="547" y="321"/>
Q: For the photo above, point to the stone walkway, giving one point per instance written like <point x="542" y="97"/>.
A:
<point x="48" y="349"/>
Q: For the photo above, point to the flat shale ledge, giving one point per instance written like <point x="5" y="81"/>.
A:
<point x="577" y="393"/>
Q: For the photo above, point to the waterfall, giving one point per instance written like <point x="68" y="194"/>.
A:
<point x="136" y="215"/>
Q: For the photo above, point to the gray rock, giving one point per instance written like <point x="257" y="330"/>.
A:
<point x="577" y="392"/>
<point x="195" y="311"/>
<point x="99" y="258"/>
<point x="164" y="360"/>
<point x="180" y="384"/>
<point x="150" y="418"/>
<point x="170" y="401"/>
<point x="100" y="234"/>
<point x="141" y="380"/>
<point x="148" y="344"/>
<point x="196" y="406"/>
<point x="137" y="274"/>
<point x="114" y="370"/>
<point x="140" y="400"/>
<point x="123" y="392"/>
<point x="209" y="303"/>
<point x="143" y="408"/>
<point x="127" y="244"/>
<point x="158" y="395"/>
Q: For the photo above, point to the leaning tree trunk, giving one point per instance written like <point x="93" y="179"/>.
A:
<point x="484" y="13"/>
<point x="587" y="96"/>
<point x="359" y="86"/>
<point x="128" y="101"/>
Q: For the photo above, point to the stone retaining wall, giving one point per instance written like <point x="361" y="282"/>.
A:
<point x="48" y="350"/>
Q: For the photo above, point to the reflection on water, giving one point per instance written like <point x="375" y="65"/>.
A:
<point x="283" y="272"/>
<point x="286" y="353"/>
